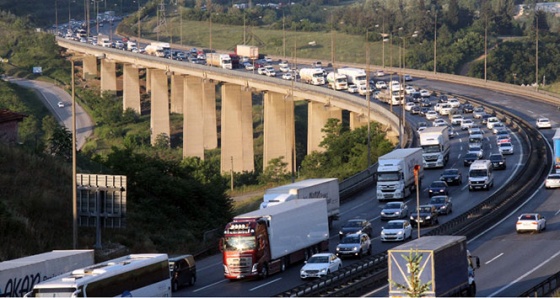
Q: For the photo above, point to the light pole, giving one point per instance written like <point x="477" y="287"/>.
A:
<point x="417" y="185"/>
<point x="74" y="178"/>
<point x="368" y="101"/>
<point x="537" y="52"/>
<point x="435" y="42"/>
<point x="485" y="46"/>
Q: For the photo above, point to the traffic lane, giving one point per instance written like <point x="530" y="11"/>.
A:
<point x="511" y="262"/>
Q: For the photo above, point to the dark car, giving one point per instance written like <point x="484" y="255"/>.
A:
<point x="498" y="161"/>
<point x="442" y="99"/>
<point x="485" y="117"/>
<point x="469" y="158"/>
<point x="428" y="215"/>
<point x="182" y="270"/>
<point x="438" y="188"/>
<point x="355" y="226"/>
<point x="452" y="176"/>
<point x="468" y="108"/>
<point x="426" y="102"/>
<point x="415" y="110"/>
<point x="442" y="203"/>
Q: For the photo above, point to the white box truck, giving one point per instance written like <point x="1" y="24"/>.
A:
<point x="356" y="76"/>
<point x="435" y="146"/>
<point x="321" y="188"/>
<point x="266" y="241"/>
<point x="313" y="76"/>
<point x="337" y="81"/>
<point x="18" y="276"/>
<point x="480" y="175"/>
<point x="446" y="264"/>
<point x="247" y="51"/>
<point x="158" y="49"/>
<point x="395" y="173"/>
<point x="219" y="60"/>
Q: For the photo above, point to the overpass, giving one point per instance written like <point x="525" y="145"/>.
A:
<point x="190" y="89"/>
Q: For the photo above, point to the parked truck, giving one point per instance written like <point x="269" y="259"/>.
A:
<point x="247" y="51"/>
<point x="337" y="81"/>
<point x="356" y="76"/>
<point x="18" y="276"/>
<point x="313" y="76"/>
<point x="266" y="241"/>
<point x="131" y="45"/>
<point x="218" y="60"/>
<point x="235" y="61"/>
<point x="556" y="144"/>
<point x="103" y="40"/>
<point x="447" y="267"/>
<point x="326" y="188"/>
<point x="158" y="49"/>
<point x="395" y="173"/>
<point x="435" y="146"/>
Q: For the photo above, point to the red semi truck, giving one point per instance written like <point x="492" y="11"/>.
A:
<point x="267" y="241"/>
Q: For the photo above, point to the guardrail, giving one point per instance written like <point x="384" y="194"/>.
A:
<point x="469" y="224"/>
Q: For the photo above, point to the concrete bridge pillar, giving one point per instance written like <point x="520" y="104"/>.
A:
<point x="108" y="76"/>
<point x="279" y="129"/>
<point x="237" y="129"/>
<point x="159" y="120"/>
<point x="357" y="120"/>
<point x="317" y="117"/>
<point x="209" y="110"/>
<point x="177" y="94"/>
<point x="193" y="117"/>
<point x="90" y="67"/>
<point x="148" y="80"/>
<point x="131" y="88"/>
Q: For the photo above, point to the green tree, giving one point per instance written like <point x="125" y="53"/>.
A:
<point x="60" y="143"/>
<point x="414" y="286"/>
<point x="275" y="172"/>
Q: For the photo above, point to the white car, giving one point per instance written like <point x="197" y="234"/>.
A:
<point x="380" y="85"/>
<point x="249" y="66"/>
<point x="409" y="90"/>
<point x="407" y="77"/>
<point x="466" y="124"/>
<point x="320" y="265"/>
<point x="505" y="148"/>
<point x="352" y="88"/>
<point x="409" y="105"/>
<point x="261" y="70"/>
<point x="379" y="73"/>
<point x="431" y="115"/>
<point x="475" y="130"/>
<point x="445" y="109"/>
<point x="530" y="222"/>
<point x="478" y="112"/>
<point x="552" y="181"/>
<point x="491" y="121"/>
<point x="287" y="76"/>
<point x="503" y="139"/>
<point x="543" y="122"/>
<point x="396" y="230"/>
<point x="478" y="151"/>
<point x="440" y="122"/>
<point x="454" y="102"/>
<point x="457" y="119"/>
<point x="363" y="90"/>
<point x="497" y="127"/>
<point x="284" y="68"/>
<point x="425" y="93"/>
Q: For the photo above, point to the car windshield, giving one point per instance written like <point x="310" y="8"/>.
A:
<point x="505" y="145"/>
<point x="318" y="259"/>
<point x="349" y="240"/>
<point x="353" y="224"/>
<point x="437" y="200"/>
<point x="437" y="184"/>
<point x="471" y="155"/>
<point x="495" y="157"/>
<point x="528" y="217"/>
<point x="425" y="209"/>
<point x="394" y="225"/>
<point x="450" y="172"/>
<point x="478" y="173"/>
<point x="392" y="206"/>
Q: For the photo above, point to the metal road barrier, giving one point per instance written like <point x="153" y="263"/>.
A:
<point x="372" y="272"/>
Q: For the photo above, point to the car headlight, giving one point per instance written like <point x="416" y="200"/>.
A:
<point x="382" y="213"/>
<point x="397" y="213"/>
<point x="430" y="190"/>
<point x="382" y="233"/>
<point x="324" y="270"/>
<point x="340" y="233"/>
<point x="400" y="232"/>
<point x="337" y="248"/>
<point x="428" y="217"/>
<point x="354" y="248"/>
<point x="443" y="207"/>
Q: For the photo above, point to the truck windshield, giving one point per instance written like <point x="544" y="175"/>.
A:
<point x="361" y="78"/>
<point x="318" y="75"/>
<point x="388" y="176"/>
<point x="240" y="243"/>
<point x="478" y="173"/>
<point x="431" y="148"/>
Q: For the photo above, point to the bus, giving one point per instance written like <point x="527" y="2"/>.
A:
<point x="145" y="275"/>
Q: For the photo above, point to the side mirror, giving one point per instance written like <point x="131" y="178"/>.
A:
<point x="221" y="245"/>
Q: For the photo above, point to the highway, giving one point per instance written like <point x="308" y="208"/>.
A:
<point x="500" y="249"/>
<point x="364" y="205"/>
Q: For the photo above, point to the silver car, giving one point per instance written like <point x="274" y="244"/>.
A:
<point x="394" y="210"/>
<point x="552" y="181"/>
<point x="396" y="230"/>
<point x="354" y="245"/>
<point x="505" y="148"/>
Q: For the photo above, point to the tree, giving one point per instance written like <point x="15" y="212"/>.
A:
<point x="60" y="143"/>
<point x="275" y="171"/>
<point x="414" y="286"/>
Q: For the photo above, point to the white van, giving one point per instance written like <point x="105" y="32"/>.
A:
<point x="480" y="175"/>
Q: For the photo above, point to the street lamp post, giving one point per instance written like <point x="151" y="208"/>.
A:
<point x="417" y="186"/>
<point x="537" y="52"/>
<point x="74" y="178"/>
<point x="368" y="101"/>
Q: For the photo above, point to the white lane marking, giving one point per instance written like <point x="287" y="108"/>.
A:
<point x="494" y="258"/>
<point x="524" y="275"/>
<point x="210" y="285"/>
<point x="265" y="284"/>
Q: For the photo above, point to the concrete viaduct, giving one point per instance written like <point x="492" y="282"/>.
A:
<point x="190" y="89"/>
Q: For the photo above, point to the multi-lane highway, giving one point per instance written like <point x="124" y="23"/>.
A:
<point x="212" y="283"/>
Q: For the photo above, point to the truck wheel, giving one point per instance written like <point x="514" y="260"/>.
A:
<point x="471" y="292"/>
<point x="283" y="265"/>
<point x="264" y="271"/>
<point x="175" y="286"/>
<point x="192" y="280"/>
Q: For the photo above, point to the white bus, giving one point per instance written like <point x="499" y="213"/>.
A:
<point x="145" y="275"/>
